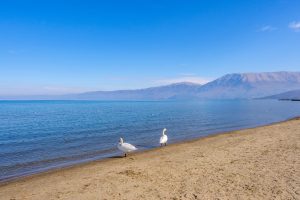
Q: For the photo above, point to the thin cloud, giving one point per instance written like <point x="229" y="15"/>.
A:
<point x="267" y="28"/>
<point x="62" y="89"/>
<point x="295" y="26"/>
<point x="192" y="79"/>
<point x="187" y="74"/>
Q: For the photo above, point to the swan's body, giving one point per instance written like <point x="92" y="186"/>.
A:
<point x="164" y="138"/>
<point x="126" y="147"/>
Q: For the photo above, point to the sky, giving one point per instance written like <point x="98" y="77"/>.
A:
<point x="59" y="47"/>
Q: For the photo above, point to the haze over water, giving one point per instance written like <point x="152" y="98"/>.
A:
<point x="41" y="135"/>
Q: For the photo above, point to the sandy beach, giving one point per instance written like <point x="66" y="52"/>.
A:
<point x="257" y="163"/>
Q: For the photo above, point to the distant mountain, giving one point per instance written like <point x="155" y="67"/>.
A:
<point x="294" y="94"/>
<point x="184" y="90"/>
<point x="230" y="86"/>
<point x="250" y="85"/>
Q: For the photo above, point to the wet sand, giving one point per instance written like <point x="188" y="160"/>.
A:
<point x="257" y="163"/>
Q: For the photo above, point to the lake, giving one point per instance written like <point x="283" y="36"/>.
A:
<point x="37" y="136"/>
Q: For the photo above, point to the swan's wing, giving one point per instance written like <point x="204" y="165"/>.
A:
<point x="163" y="139"/>
<point x="129" y="147"/>
<point x="120" y="147"/>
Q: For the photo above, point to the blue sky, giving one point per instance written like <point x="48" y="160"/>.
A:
<point x="60" y="47"/>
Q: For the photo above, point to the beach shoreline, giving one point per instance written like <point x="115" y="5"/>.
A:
<point x="133" y="167"/>
<point x="80" y="164"/>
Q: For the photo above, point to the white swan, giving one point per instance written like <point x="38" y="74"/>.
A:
<point x="125" y="147"/>
<point x="163" y="138"/>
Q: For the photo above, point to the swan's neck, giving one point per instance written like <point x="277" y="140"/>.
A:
<point x="121" y="141"/>
<point x="163" y="133"/>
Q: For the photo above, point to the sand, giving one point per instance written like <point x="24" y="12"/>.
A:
<point x="258" y="163"/>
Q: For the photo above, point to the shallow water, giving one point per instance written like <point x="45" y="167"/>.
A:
<point x="40" y="135"/>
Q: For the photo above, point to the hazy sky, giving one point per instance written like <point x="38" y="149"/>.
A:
<point x="73" y="46"/>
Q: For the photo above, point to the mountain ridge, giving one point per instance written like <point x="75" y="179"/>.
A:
<point x="250" y="85"/>
<point x="151" y="93"/>
<point x="229" y="86"/>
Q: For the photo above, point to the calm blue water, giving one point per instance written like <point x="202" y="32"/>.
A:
<point x="40" y="135"/>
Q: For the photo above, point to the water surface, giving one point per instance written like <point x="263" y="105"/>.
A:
<point x="40" y="135"/>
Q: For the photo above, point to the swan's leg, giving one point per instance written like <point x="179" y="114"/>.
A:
<point x="125" y="155"/>
<point x="161" y="144"/>
<point x="165" y="144"/>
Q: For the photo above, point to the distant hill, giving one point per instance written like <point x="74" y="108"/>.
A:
<point x="294" y="94"/>
<point x="230" y="86"/>
<point x="250" y="85"/>
<point x="184" y="90"/>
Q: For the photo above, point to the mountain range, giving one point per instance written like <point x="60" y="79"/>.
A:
<point x="230" y="86"/>
<point x="250" y="85"/>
